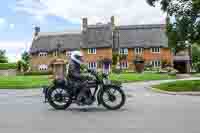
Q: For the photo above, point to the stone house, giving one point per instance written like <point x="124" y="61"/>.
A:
<point x="98" y="42"/>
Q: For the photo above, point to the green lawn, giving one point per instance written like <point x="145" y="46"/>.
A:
<point x="22" y="82"/>
<point x="180" y="86"/>
<point x="26" y="82"/>
<point x="133" y="77"/>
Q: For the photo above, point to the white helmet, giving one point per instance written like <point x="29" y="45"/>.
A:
<point x="77" y="57"/>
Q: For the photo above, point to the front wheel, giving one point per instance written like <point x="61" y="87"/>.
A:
<point x="112" y="98"/>
<point x="59" y="98"/>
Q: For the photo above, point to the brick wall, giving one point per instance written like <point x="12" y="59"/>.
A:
<point x="165" y="54"/>
<point x="100" y="53"/>
<point x="37" y="60"/>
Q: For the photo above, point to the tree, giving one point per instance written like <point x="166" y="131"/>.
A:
<point x="185" y="16"/>
<point x="115" y="58"/>
<point x="26" y="57"/>
<point x="24" y="63"/>
<point x="3" y="58"/>
<point x="183" y="24"/>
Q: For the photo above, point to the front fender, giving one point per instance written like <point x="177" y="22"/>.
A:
<point x="104" y="87"/>
<point x="111" y="86"/>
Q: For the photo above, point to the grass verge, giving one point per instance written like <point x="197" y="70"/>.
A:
<point x="180" y="86"/>
<point x="23" y="82"/>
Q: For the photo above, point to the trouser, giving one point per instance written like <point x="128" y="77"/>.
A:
<point x="81" y="88"/>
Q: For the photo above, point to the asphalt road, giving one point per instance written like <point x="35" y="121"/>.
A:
<point x="144" y="112"/>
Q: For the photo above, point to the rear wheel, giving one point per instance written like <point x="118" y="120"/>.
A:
<point x="59" y="98"/>
<point x="113" y="98"/>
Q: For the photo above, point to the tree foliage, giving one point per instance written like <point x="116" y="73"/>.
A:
<point x="26" y="57"/>
<point x="24" y="64"/>
<point x="183" y="20"/>
<point x="3" y="58"/>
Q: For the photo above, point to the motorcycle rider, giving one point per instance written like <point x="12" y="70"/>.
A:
<point x="78" y="79"/>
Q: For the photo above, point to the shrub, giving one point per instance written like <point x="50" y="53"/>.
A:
<point x="5" y="66"/>
<point x="148" y="67"/>
<point x="114" y="58"/>
<point x="165" y="63"/>
<point x="115" y="70"/>
<point x="169" y="70"/>
<point x="197" y="66"/>
<point x="37" y="73"/>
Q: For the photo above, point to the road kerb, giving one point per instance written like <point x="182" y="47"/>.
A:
<point x="175" y="93"/>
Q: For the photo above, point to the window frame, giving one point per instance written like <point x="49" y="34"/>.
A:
<point x="156" y="50"/>
<point x="43" y="67"/>
<point x="43" y="54"/>
<point x="92" y="50"/>
<point x="124" y="65"/>
<point x="55" y="53"/>
<point x="156" y="63"/>
<point x="123" y="51"/>
<point x="92" y="65"/>
<point x="138" y="49"/>
<point x="68" y="53"/>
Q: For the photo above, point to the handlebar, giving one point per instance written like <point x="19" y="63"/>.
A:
<point x="95" y="73"/>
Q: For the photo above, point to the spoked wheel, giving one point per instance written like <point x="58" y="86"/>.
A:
<point x="113" y="98"/>
<point x="59" y="98"/>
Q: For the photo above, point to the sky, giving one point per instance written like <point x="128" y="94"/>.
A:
<point x="19" y="17"/>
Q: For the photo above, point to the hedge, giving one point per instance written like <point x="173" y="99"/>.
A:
<point x="6" y="66"/>
<point x="35" y="73"/>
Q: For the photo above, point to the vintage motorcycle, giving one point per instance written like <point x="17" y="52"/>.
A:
<point x="61" y="94"/>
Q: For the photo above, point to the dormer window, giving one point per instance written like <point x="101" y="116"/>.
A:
<point x="43" y="54"/>
<point x="123" y="51"/>
<point x="68" y="53"/>
<point x="138" y="50"/>
<point x="55" y="53"/>
<point x="92" y="51"/>
<point x="155" y="50"/>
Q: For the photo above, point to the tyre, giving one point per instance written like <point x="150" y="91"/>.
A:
<point x="59" y="98"/>
<point x="115" y="98"/>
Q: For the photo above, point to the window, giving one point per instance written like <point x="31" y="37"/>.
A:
<point x="156" y="63"/>
<point x="43" y="54"/>
<point x="55" y="53"/>
<point x="68" y="53"/>
<point x="138" y="50"/>
<point x="92" y="51"/>
<point x="123" y="51"/>
<point x="92" y="65"/>
<point x="155" y="50"/>
<point x="43" y="67"/>
<point x="124" y="65"/>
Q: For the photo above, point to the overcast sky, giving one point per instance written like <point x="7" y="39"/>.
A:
<point x="18" y="18"/>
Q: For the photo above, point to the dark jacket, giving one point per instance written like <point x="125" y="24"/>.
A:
<point x="74" y="72"/>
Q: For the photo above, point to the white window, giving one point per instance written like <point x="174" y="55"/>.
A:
<point x="43" y="54"/>
<point x="92" y="65"/>
<point x="55" y="53"/>
<point x="155" y="50"/>
<point x="124" y="65"/>
<point x="156" y="63"/>
<point x="123" y="51"/>
<point x="138" y="50"/>
<point x="92" y="51"/>
<point x="43" y="67"/>
<point x="68" y="53"/>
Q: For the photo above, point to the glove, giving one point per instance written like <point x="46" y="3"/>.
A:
<point x="89" y="78"/>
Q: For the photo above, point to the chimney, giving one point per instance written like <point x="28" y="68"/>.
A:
<point x="84" y="24"/>
<point x="37" y="30"/>
<point x="112" y="20"/>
